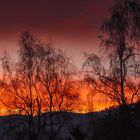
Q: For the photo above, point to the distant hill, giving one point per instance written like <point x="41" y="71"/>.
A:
<point x="104" y="125"/>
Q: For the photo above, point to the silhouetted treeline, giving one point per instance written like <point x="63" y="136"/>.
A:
<point x="43" y="80"/>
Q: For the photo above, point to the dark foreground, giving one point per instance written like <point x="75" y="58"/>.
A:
<point x="111" y="124"/>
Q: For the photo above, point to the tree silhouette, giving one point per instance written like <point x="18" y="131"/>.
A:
<point x="55" y="77"/>
<point x="118" y="76"/>
<point x="19" y="85"/>
<point x="41" y="80"/>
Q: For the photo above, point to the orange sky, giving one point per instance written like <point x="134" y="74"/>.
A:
<point x="89" y="103"/>
<point x="73" y="24"/>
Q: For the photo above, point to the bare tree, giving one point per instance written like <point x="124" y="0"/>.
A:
<point x="55" y="74"/>
<point x="116" y="76"/>
<point x="20" y="84"/>
<point x="42" y="79"/>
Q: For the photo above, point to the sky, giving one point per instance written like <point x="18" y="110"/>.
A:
<point x="73" y="24"/>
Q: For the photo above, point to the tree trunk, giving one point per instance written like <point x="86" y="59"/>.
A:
<point x="51" y="119"/>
